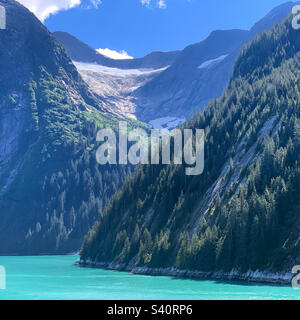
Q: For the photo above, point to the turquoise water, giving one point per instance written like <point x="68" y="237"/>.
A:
<point x="57" y="277"/>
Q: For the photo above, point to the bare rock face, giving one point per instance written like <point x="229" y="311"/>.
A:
<point x="26" y="48"/>
<point x="47" y="120"/>
<point x="115" y="87"/>
<point x="200" y="72"/>
<point x="192" y="77"/>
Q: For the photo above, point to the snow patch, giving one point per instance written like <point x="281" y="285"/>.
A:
<point x="166" y="123"/>
<point x="115" y="71"/>
<point x="212" y="61"/>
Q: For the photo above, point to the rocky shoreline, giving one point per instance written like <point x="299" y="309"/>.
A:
<point x="280" y="278"/>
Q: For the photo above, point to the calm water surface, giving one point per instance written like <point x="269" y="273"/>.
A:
<point x="57" y="277"/>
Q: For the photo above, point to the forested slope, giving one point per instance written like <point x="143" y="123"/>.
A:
<point x="243" y="211"/>
<point x="51" y="188"/>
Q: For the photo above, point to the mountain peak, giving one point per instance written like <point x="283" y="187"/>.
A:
<point x="274" y="16"/>
<point x="81" y="52"/>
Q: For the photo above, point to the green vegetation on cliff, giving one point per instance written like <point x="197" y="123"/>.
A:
<point x="51" y="188"/>
<point x="243" y="211"/>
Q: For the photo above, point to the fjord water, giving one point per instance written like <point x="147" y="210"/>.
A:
<point x="57" y="277"/>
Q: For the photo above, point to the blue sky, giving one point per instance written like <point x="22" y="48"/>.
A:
<point x="162" y="25"/>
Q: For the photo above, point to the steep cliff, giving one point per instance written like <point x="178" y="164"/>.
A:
<point x="51" y="189"/>
<point x="242" y="213"/>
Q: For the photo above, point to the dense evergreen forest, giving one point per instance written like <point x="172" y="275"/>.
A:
<point x="243" y="212"/>
<point x="51" y="189"/>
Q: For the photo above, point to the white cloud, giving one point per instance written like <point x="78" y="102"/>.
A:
<point x="161" y="4"/>
<point x="114" y="54"/>
<point x="93" y="4"/>
<point x="44" y="8"/>
<point x="145" y="2"/>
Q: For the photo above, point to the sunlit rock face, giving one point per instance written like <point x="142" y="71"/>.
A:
<point x="183" y="82"/>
